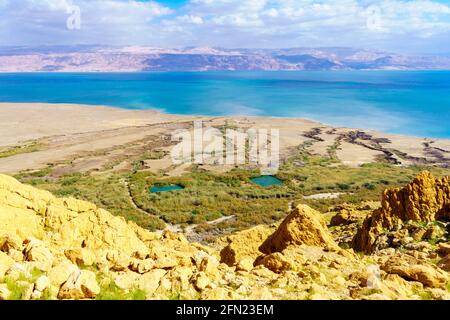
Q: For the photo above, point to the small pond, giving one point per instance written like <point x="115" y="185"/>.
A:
<point x="172" y="187"/>
<point x="267" y="181"/>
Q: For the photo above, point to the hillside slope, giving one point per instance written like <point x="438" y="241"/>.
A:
<point x="53" y="248"/>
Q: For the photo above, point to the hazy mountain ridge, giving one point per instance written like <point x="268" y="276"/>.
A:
<point x="135" y="58"/>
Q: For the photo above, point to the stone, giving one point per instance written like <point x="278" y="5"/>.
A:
<point x="202" y="281"/>
<point x="275" y="262"/>
<point x="434" y="232"/>
<point x="42" y="283"/>
<point x="343" y="217"/>
<point x="80" y="256"/>
<point x="303" y="225"/>
<point x="119" y="261"/>
<point x="35" y="250"/>
<point x="125" y="280"/>
<point x="89" y="284"/>
<point x="6" y="263"/>
<point x="216" y="294"/>
<point x="419" y="234"/>
<point x="10" y="242"/>
<point x="19" y="270"/>
<point x="261" y="294"/>
<point x="60" y="273"/>
<point x="16" y="255"/>
<point x="142" y="266"/>
<point x="369" y="205"/>
<point x="444" y="248"/>
<point x="245" y="264"/>
<point x="340" y="281"/>
<point x="150" y="281"/>
<point x="244" y="244"/>
<point x="411" y="269"/>
<point x="80" y="285"/>
<point x="4" y="292"/>
<point x="425" y="199"/>
<point x="444" y="264"/>
<point x="27" y="289"/>
<point x="36" y="295"/>
<point x="208" y="264"/>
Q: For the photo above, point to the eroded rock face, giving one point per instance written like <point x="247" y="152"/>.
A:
<point x="425" y="199"/>
<point x="303" y="226"/>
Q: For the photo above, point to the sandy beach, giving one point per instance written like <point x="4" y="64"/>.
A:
<point x="85" y="138"/>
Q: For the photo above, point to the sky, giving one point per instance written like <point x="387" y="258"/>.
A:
<point x="404" y="26"/>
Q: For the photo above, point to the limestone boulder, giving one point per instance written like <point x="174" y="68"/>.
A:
<point x="36" y="251"/>
<point x="6" y="263"/>
<point x="202" y="281"/>
<point x="150" y="281"/>
<point x="80" y="256"/>
<point x="414" y="270"/>
<point x="444" y="248"/>
<point x="142" y="266"/>
<point x="303" y="226"/>
<point x="343" y="217"/>
<point x="4" y="292"/>
<point x="275" y="262"/>
<point x="42" y="283"/>
<point x="60" y="273"/>
<point x="80" y="285"/>
<point x="444" y="264"/>
<point x="11" y="242"/>
<point x="244" y="245"/>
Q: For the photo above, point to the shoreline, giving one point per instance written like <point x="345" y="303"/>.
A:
<point x="161" y="112"/>
<point x="87" y="137"/>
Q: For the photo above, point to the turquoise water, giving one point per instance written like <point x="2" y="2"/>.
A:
<point x="158" y="189"/>
<point x="267" y="181"/>
<point x="413" y="103"/>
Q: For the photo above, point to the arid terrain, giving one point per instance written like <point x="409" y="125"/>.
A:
<point x="35" y="135"/>
<point x="359" y="214"/>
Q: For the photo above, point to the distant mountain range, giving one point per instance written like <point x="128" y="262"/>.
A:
<point x="134" y="58"/>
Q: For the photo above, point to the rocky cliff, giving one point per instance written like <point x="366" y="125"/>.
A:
<point x="425" y="199"/>
<point x="53" y="248"/>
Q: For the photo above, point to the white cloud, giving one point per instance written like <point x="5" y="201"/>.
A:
<point x="190" y="19"/>
<point x="233" y="23"/>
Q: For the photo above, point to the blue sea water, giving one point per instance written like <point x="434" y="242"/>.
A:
<point x="406" y="102"/>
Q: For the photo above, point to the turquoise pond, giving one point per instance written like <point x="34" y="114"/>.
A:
<point x="267" y="181"/>
<point x="158" y="189"/>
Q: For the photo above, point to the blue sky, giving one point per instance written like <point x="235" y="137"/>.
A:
<point x="409" y="26"/>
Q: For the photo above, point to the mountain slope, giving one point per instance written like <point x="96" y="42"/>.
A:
<point x="104" y="59"/>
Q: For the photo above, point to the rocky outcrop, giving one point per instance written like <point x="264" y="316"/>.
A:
<point x="425" y="199"/>
<point x="303" y="226"/>
<point x="73" y="250"/>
